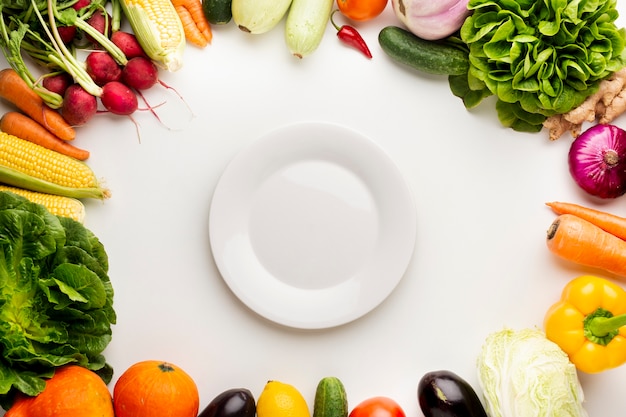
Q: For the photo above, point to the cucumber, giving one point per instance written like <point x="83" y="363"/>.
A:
<point x="330" y="398"/>
<point x="258" y="16"/>
<point x="433" y="57"/>
<point x="305" y="25"/>
<point x="218" y="12"/>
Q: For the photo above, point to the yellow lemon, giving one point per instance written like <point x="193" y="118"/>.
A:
<point x="281" y="400"/>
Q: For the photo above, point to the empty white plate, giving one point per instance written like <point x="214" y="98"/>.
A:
<point x="312" y="226"/>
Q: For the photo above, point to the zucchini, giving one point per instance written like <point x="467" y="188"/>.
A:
<point x="433" y="57"/>
<point x="330" y="398"/>
<point x="305" y="25"/>
<point x="218" y="12"/>
<point x="258" y="16"/>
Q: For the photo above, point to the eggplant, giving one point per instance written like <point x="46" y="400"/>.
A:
<point x="445" y="394"/>
<point x="235" y="402"/>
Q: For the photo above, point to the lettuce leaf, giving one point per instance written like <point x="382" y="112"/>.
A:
<point x="56" y="299"/>
<point x="539" y="57"/>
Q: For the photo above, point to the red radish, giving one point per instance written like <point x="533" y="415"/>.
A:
<point x="118" y="98"/>
<point x="128" y="44"/>
<point x="140" y="73"/>
<point x="78" y="105"/>
<point x="81" y="4"/>
<point x="67" y="33"/>
<point x="58" y="83"/>
<point x="101" y="21"/>
<point x="102" y="68"/>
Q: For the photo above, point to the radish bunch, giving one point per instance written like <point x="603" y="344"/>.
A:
<point x="119" y="83"/>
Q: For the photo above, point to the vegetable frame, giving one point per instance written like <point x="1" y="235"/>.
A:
<point x="589" y="323"/>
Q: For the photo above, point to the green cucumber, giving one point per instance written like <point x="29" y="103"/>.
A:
<point x="330" y="398"/>
<point x="218" y="12"/>
<point x="433" y="57"/>
<point x="306" y="24"/>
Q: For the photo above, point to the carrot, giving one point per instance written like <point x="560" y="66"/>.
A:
<point x="22" y="126"/>
<point x="196" y="26"/>
<point x="582" y="242"/>
<point x="15" y="90"/>
<point x="606" y="221"/>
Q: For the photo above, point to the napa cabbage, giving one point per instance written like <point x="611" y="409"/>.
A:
<point x="56" y="299"/>
<point x="524" y="374"/>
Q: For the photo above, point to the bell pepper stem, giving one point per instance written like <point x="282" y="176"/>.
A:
<point x="601" y="326"/>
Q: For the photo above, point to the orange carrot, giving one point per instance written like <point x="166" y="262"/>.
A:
<point x="196" y="26"/>
<point x="584" y="243"/>
<point x="15" y="90"/>
<point x="606" y="221"/>
<point x="22" y="126"/>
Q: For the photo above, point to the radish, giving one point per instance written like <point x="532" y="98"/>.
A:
<point x="58" y="82"/>
<point x="119" y="98"/>
<point x="128" y="43"/>
<point x="67" y="33"/>
<point x="81" y="4"/>
<point x="101" y="21"/>
<point x="78" y="105"/>
<point x="102" y="68"/>
<point x="140" y="73"/>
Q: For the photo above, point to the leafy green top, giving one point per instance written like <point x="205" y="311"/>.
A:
<point x="56" y="299"/>
<point x="538" y="57"/>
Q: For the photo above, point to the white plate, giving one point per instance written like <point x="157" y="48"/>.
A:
<point x="312" y="226"/>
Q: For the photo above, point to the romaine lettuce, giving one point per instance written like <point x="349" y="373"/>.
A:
<point x="56" y="299"/>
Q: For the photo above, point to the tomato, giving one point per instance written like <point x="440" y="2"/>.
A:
<point x="377" y="407"/>
<point x="361" y="9"/>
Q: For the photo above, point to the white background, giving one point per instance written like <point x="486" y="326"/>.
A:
<point x="480" y="262"/>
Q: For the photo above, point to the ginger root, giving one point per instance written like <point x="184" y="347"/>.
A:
<point x="603" y="106"/>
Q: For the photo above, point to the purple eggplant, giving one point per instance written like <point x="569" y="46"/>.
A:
<point x="235" y="402"/>
<point x="445" y="394"/>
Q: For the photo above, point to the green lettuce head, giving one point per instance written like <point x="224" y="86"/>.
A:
<point x="56" y="299"/>
<point x="524" y="374"/>
<point x="541" y="57"/>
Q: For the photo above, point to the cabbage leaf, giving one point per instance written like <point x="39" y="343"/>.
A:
<point x="56" y="299"/>
<point x="539" y="57"/>
<point x="524" y="374"/>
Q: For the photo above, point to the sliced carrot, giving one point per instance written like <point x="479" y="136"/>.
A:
<point x="22" y="126"/>
<point x="15" y="90"/>
<point x="606" y="221"/>
<point x="196" y="26"/>
<point x="575" y="239"/>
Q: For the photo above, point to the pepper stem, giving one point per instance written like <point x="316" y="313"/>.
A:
<point x="333" y="22"/>
<point x="602" y="326"/>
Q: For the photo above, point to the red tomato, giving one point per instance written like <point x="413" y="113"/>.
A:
<point x="361" y="9"/>
<point x="377" y="407"/>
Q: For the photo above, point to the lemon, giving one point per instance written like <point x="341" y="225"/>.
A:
<point x="281" y="400"/>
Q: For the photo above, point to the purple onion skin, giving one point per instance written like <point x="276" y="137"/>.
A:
<point x="597" y="161"/>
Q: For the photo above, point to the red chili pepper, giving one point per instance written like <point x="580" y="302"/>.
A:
<point x="350" y="36"/>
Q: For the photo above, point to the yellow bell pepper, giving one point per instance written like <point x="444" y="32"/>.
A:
<point x="589" y="323"/>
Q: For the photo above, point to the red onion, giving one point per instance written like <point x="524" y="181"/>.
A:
<point x="597" y="161"/>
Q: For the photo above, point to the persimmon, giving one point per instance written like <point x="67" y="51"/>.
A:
<point x="361" y="10"/>
<point x="73" y="391"/>
<point x="155" y="388"/>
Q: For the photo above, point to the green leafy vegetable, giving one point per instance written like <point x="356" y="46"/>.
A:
<point x="539" y="58"/>
<point x="56" y="299"/>
<point x="524" y="374"/>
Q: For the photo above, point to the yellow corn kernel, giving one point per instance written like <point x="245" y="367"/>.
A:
<point x="158" y="29"/>
<point x="27" y="165"/>
<point x="55" y="204"/>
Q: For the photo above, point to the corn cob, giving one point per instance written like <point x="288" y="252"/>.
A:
<point x="30" y="166"/>
<point x="55" y="204"/>
<point x="159" y="30"/>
